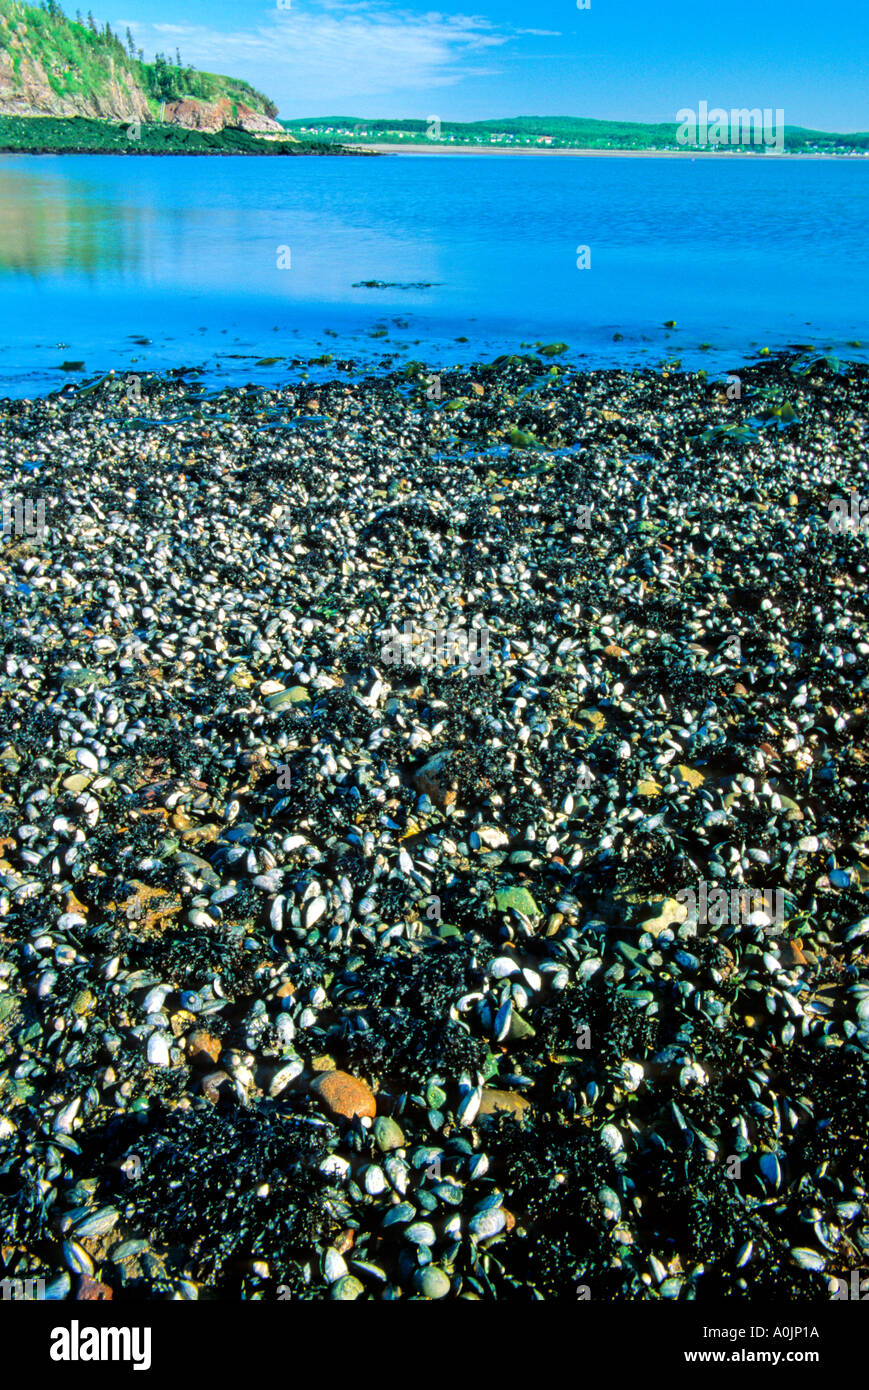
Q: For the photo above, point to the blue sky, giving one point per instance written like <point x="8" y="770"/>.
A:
<point x="628" y="59"/>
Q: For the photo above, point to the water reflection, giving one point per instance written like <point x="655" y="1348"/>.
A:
<point x="50" y="224"/>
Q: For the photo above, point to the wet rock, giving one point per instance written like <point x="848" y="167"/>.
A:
<point x="431" y="780"/>
<point x="203" y="1048"/>
<point x="215" y="1084"/>
<point x="345" y="1095"/>
<point x="510" y="1102"/>
<point x="666" y="913"/>
<point x="387" y="1134"/>
<point x="150" y="906"/>
<point x="347" y="1289"/>
<point x="90" y="1290"/>
<point x="432" y="1282"/>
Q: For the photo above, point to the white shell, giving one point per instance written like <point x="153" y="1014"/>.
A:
<point x="612" y="1139"/>
<point x="158" y="1050"/>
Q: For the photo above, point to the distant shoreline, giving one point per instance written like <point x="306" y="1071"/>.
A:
<point x="377" y="147"/>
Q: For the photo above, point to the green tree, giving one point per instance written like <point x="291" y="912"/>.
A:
<point x="163" y="82"/>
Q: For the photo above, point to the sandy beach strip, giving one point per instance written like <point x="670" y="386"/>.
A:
<point x="421" y="149"/>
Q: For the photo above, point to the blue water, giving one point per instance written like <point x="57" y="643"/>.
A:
<point x="741" y="252"/>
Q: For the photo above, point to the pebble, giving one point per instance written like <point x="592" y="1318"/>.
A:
<point x="432" y="1282"/>
<point x="203" y="1049"/>
<point x="510" y="1102"/>
<point x="347" y="1289"/>
<point x="90" y="1290"/>
<point x="345" y="1095"/>
<point x="158" y="1050"/>
<point x="387" y="1134"/>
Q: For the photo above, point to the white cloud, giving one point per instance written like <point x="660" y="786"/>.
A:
<point x="339" y="53"/>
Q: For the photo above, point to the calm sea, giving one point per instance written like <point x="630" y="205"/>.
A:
<point x="221" y="262"/>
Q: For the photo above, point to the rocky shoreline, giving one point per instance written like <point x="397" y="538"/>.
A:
<point x="82" y="135"/>
<point x="360" y="746"/>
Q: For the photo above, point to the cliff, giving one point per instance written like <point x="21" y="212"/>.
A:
<point x="54" y="66"/>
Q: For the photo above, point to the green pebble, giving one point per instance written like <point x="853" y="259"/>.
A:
<point x="83" y="680"/>
<point x="518" y="898"/>
<point x="84" y="1002"/>
<point x="78" y="781"/>
<point x="447" y="929"/>
<point x="435" y="1097"/>
<point x="519" y="1028"/>
<point x="520" y="440"/>
<point x="431" y="1282"/>
<point x="387" y="1134"/>
<point x="296" y="695"/>
<point x="346" y="1289"/>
